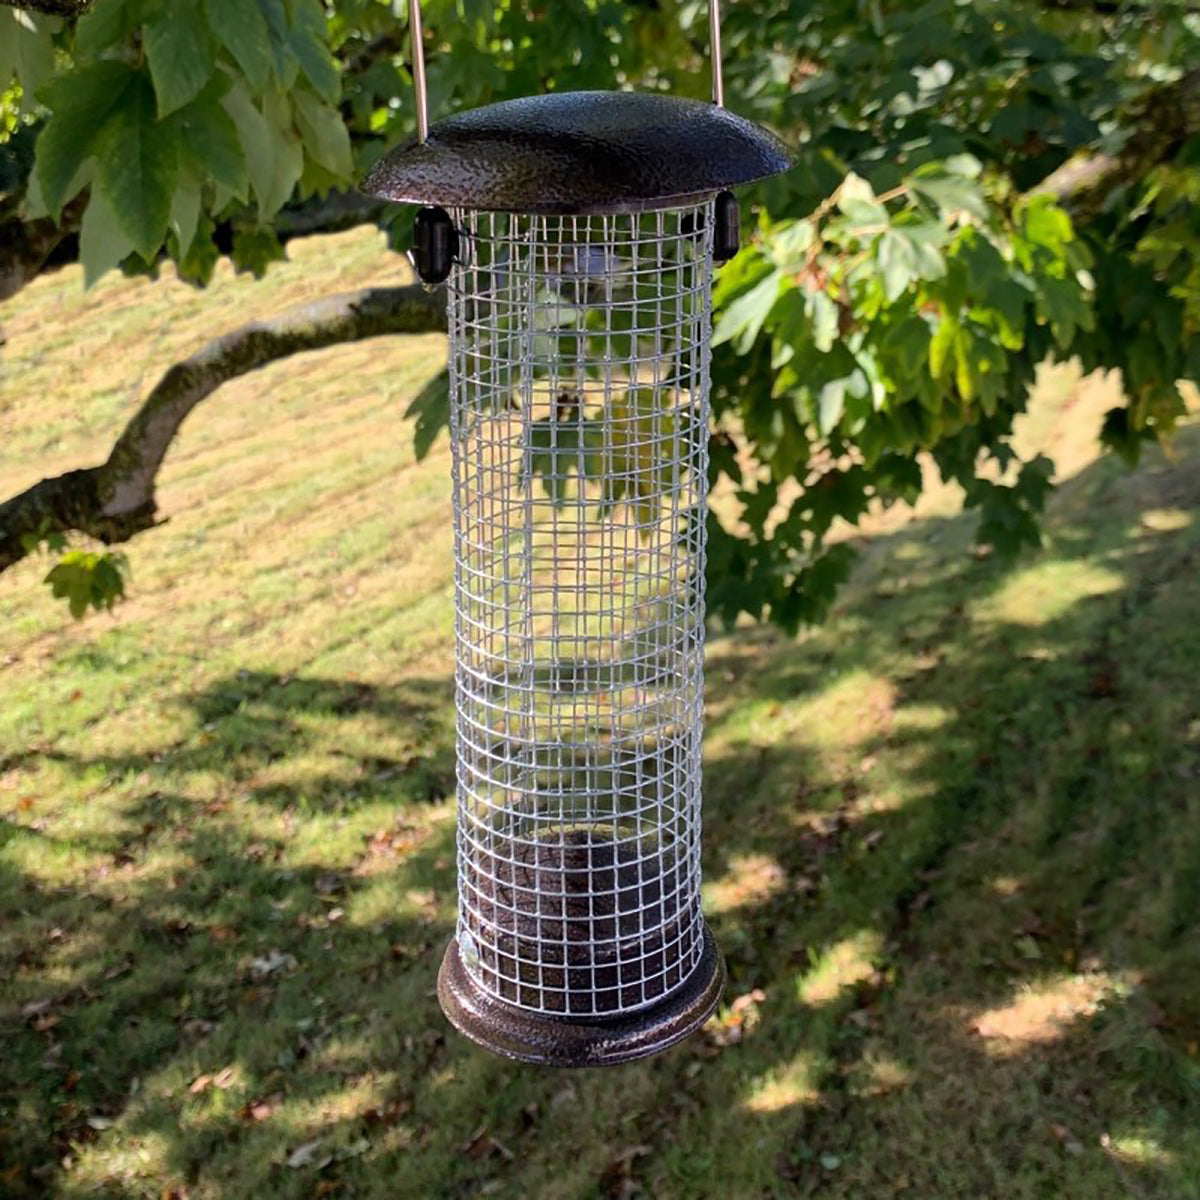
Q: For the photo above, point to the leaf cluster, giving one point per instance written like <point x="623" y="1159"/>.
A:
<point x="175" y="123"/>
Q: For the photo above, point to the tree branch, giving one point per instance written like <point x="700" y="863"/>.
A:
<point x="1164" y="119"/>
<point x="52" y="8"/>
<point x="115" y="500"/>
<point x="25" y="246"/>
<point x="359" y="55"/>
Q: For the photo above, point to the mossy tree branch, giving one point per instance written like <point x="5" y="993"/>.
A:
<point x="115" y="500"/>
<point x="1161" y="123"/>
<point x="52" y="8"/>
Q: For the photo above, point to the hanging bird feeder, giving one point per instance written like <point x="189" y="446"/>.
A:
<point x="576" y="234"/>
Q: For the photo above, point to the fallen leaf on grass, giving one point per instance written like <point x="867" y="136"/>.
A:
<point x="261" y="1109"/>
<point x="481" y="1144"/>
<point x="728" y="1028"/>
<point x="1069" y="1142"/>
<point x="272" y="961"/>
<point x="222" y="1079"/>
<point x="388" y="1114"/>
<point x="309" y="1154"/>
<point x="748" y="1001"/>
<point x="394" y="841"/>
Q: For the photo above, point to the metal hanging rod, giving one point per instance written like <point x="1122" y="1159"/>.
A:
<point x="417" y="51"/>
<point x="714" y="52"/>
<point x="418" y="68"/>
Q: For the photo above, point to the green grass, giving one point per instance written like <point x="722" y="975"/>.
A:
<point x="952" y="837"/>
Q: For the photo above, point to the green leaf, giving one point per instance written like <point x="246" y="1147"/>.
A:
<point x="180" y="53"/>
<point x="950" y="186"/>
<point x="242" y="30"/>
<point x="897" y="259"/>
<point x="83" y="578"/>
<point x="823" y="313"/>
<point x="254" y="250"/>
<point x="965" y="371"/>
<point x="26" y="51"/>
<point x="1046" y="224"/>
<point x="907" y="341"/>
<point x="198" y="262"/>
<point x="209" y="141"/>
<point x="284" y="64"/>
<point x="326" y="137"/>
<point x="137" y="164"/>
<point x="854" y="189"/>
<point x="830" y="405"/>
<point x="790" y="244"/>
<point x="105" y="26"/>
<point x="274" y="158"/>
<point x="942" y="345"/>
<point x="1062" y="303"/>
<point x="288" y="164"/>
<point x="862" y="220"/>
<point x="307" y="42"/>
<point x="185" y="215"/>
<point x="431" y="408"/>
<point x="743" y="318"/>
<point x="80" y="103"/>
<point x="102" y="241"/>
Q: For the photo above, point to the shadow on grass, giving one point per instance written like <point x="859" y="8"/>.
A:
<point x="966" y="950"/>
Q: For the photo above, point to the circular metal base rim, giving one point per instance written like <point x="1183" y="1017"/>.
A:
<point x="565" y="1041"/>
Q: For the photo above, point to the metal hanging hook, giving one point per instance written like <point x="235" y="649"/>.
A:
<point x="714" y="52"/>
<point x="417" y="51"/>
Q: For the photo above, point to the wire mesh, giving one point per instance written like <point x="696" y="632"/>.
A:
<point x="579" y="426"/>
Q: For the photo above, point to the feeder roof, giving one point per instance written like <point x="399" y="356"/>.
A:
<point x="579" y="152"/>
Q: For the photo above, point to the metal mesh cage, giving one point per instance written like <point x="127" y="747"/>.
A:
<point x="579" y="419"/>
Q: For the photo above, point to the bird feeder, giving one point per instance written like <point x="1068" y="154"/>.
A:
<point x="576" y="234"/>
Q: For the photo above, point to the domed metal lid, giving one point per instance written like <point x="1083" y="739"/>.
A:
<point x="579" y="152"/>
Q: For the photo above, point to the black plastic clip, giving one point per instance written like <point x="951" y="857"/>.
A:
<point x="435" y="245"/>
<point x="725" y="227"/>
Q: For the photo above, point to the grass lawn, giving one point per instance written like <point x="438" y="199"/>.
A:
<point x="952" y="837"/>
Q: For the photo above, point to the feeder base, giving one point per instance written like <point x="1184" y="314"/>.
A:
<point x="561" y="1041"/>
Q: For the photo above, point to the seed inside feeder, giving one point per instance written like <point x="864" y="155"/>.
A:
<point x="582" y="922"/>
